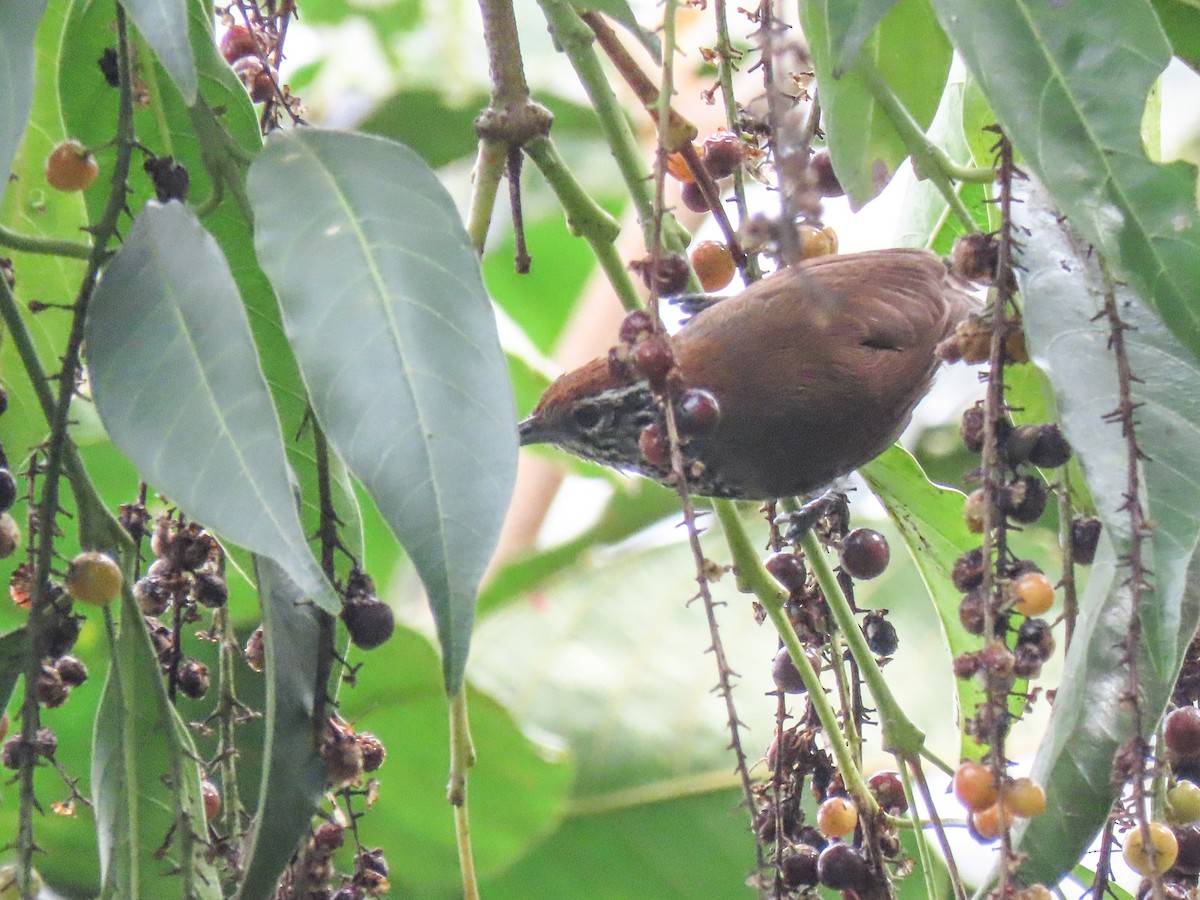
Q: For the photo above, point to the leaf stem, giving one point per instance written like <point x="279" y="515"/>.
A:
<point x="462" y="757"/>
<point x="26" y="243"/>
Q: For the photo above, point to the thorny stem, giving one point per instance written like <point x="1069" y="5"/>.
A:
<point x="789" y="242"/>
<point x="1138" y="580"/>
<point x="1069" y="587"/>
<point x="25" y="243"/>
<point x="781" y="716"/>
<point x="725" y="674"/>
<point x="229" y="708"/>
<point x="59" y="451"/>
<point x="327" y="537"/>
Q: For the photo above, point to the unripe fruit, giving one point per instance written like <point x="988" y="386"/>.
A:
<point x="988" y="823"/>
<point x="837" y="817"/>
<point x="1032" y="594"/>
<point x="212" y="799"/>
<point x="71" y="167"/>
<point x="975" y="786"/>
<point x="1183" y="803"/>
<point x="369" y="621"/>
<point x="1163" y="844"/>
<point x="93" y="578"/>
<point x="864" y="554"/>
<point x="816" y="242"/>
<point x="1025" y="798"/>
<point x="723" y="153"/>
<point x="1182" y="731"/>
<point x="713" y="264"/>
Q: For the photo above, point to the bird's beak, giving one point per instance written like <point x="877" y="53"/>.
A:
<point x="529" y="431"/>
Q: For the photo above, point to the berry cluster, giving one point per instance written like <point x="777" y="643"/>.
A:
<point x="993" y="805"/>
<point x="246" y="50"/>
<point x="312" y="873"/>
<point x="721" y="154"/>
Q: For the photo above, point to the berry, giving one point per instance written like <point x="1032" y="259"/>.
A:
<point x="713" y="264"/>
<point x="635" y="325"/>
<point x="171" y="180"/>
<point x="1024" y="499"/>
<point x="1025" y="798"/>
<point x="864" y="554"/>
<point x="51" y="692"/>
<point x="20" y="585"/>
<point x="654" y="446"/>
<point x="1183" y="803"/>
<point x="837" y="817"/>
<point x="256" y="650"/>
<point x="693" y="197"/>
<point x="258" y="79"/>
<point x="342" y="756"/>
<point x="237" y="42"/>
<point x="327" y="837"/>
<point x="93" y="578"/>
<point x="723" y="152"/>
<point x="800" y="867"/>
<point x="1051" y="449"/>
<point x="193" y="678"/>
<point x="210" y="590"/>
<point x="153" y="595"/>
<point x="974" y="423"/>
<point x="1163" y="843"/>
<point x="974" y="339"/>
<point x="966" y="666"/>
<point x="1036" y="634"/>
<point x="968" y="570"/>
<point x="1032" y="594"/>
<point x="988" y="823"/>
<point x="1187" y="860"/>
<point x="1182" y="731"/>
<point x="825" y="177"/>
<point x="880" y="634"/>
<point x="672" y="276"/>
<point x="1085" y="537"/>
<point x="678" y="168"/>
<point x="789" y="571"/>
<point x="8" y="490"/>
<point x="842" y="868"/>
<point x="975" y="511"/>
<point x="10" y="535"/>
<point x="816" y="242"/>
<point x="975" y="786"/>
<point x="71" y="670"/>
<point x="786" y="675"/>
<point x="888" y="791"/>
<point x="975" y="257"/>
<point x="369" y="621"/>
<point x="1019" y="444"/>
<point x="373" y="751"/>
<point x="697" y="412"/>
<point x="212" y="799"/>
<point x="996" y="659"/>
<point x="972" y="612"/>
<point x="653" y="358"/>
<point x="71" y="167"/>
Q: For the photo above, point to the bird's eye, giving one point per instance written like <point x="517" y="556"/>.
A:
<point x="587" y="417"/>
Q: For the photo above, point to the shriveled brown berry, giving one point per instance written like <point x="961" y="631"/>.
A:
<point x="713" y="264"/>
<point x="975" y="511"/>
<point x="1019" y="444"/>
<point x="1027" y="661"/>
<point x="369" y="621"/>
<point x="975" y="257"/>
<point x="256" y="650"/>
<point x="212" y="799"/>
<point x="51" y="692"/>
<point x="1085" y="538"/>
<point x="968" y="570"/>
<point x="373" y="751"/>
<point x="152" y="594"/>
<point x="342" y="757"/>
<point x="170" y="178"/>
<point x="1024" y="499"/>
<point x="974" y="336"/>
<point x="972" y="612"/>
<point x="8" y="490"/>
<point x="654" y="446"/>
<point x="328" y="837"/>
<point x="864" y="554"/>
<point x="825" y="177"/>
<point x="1037" y="633"/>
<point x="193" y="678"/>
<point x="371" y="872"/>
<point x="1016" y="350"/>
<point x="723" y="152"/>
<point x="888" y="791"/>
<point x="996" y="659"/>
<point x="1181" y="731"/>
<point x="71" y="670"/>
<point x="653" y="359"/>
<point x="840" y="867"/>
<point x="973" y="428"/>
<point x="966" y="665"/>
<point x="10" y="535"/>
<point x="697" y="412"/>
<point x="258" y="79"/>
<point x="209" y="589"/>
<point x="62" y="634"/>
<point x="637" y="324"/>
<point x="1051" y="449"/>
<point x="799" y="868"/>
<point x="789" y="571"/>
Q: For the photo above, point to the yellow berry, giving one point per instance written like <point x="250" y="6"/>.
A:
<point x="837" y="817"/>
<point x="990" y="822"/>
<point x="1033" y="594"/>
<point x="1183" y="803"/>
<point x="975" y="786"/>
<point x="71" y="167"/>
<point x="93" y="578"/>
<point x="1137" y="854"/>
<point x="817" y="241"/>
<point x="714" y="265"/>
<point x="1025" y="798"/>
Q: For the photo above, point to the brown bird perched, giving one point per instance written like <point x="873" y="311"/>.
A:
<point x="814" y="371"/>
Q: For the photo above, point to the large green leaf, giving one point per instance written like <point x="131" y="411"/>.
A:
<point x="1180" y="20"/>
<point x="13" y="646"/>
<point x="1045" y="69"/>
<point x="850" y="24"/>
<point x="1063" y="291"/>
<point x="164" y="25"/>
<point x="146" y="780"/>
<point x="293" y="778"/>
<point x="394" y="333"/>
<point x="177" y="384"/>
<point x="864" y="144"/>
<point x="20" y="20"/>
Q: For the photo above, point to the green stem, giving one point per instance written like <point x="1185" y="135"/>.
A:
<point x="914" y="817"/>
<point x="585" y="217"/>
<point x="929" y="161"/>
<point x="489" y="169"/>
<point x="900" y="735"/>
<point x="462" y="757"/>
<point x="228" y="708"/>
<point x="26" y="243"/>
<point x="752" y="575"/>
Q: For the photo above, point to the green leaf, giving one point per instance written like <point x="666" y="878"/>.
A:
<point x="1042" y="67"/>
<point x="930" y="517"/>
<point x="1063" y="291"/>
<point x="850" y="24"/>
<point x="863" y="143"/>
<point x="178" y="387"/>
<point x="20" y="19"/>
<point x="395" y="337"/>
<point x="164" y="25"/>
<point x="293" y="778"/>
<point x="13" y="646"/>
<point x="1180" y="19"/>
<point x="146" y="782"/>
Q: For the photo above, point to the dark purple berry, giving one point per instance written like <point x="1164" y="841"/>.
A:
<point x="1024" y="499"/>
<point x="693" y="197"/>
<point x="888" y="790"/>
<point x="968" y="570"/>
<point x="789" y="571"/>
<point x="1182" y="731"/>
<point x="8" y="490"/>
<point x="1051" y="449"/>
<point x="369" y="621"/>
<point x="1085" y="537"/>
<point x="880" y="634"/>
<point x="636" y="324"/>
<point x="698" y="412"/>
<point x="842" y="868"/>
<point x="864" y="554"/>
<point x="1036" y="633"/>
<point x="653" y="358"/>
<point x="799" y="869"/>
<point x="723" y="153"/>
<point x="826" y="178"/>
<point x="786" y="675"/>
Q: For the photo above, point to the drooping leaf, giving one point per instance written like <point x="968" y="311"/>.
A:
<point x="863" y="143"/>
<point x="13" y="646"/>
<point x="20" y="20"/>
<point x="1042" y="67"/>
<point x="850" y="24"/>
<point x="293" y="778"/>
<point x="395" y="337"/>
<point x="146" y="780"/>
<point x="1063" y="290"/>
<point x="164" y="25"/>
<point x="177" y="384"/>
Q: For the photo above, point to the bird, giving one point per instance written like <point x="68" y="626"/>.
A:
<point x="779" y="390"/>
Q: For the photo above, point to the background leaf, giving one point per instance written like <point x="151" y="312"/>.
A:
<point x="177" y="384"/>
<point x="20" y="20"/>
<point x="164" y="25"/>
<point x="387" y="314"/>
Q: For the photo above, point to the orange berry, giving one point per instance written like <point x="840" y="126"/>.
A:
<point x="1025" y="798"/>
<point x="975" y="786"/>
<point x="1137" y="854"/>
<point x="988" y="823"/>
<point x="837" y="817"/>
<point x="1033" y="594"/>
<point x="817" y="241"/>
<point x="713" y="264"/>
<point x="678" y="168"/>
<point x="71" y="167"/>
